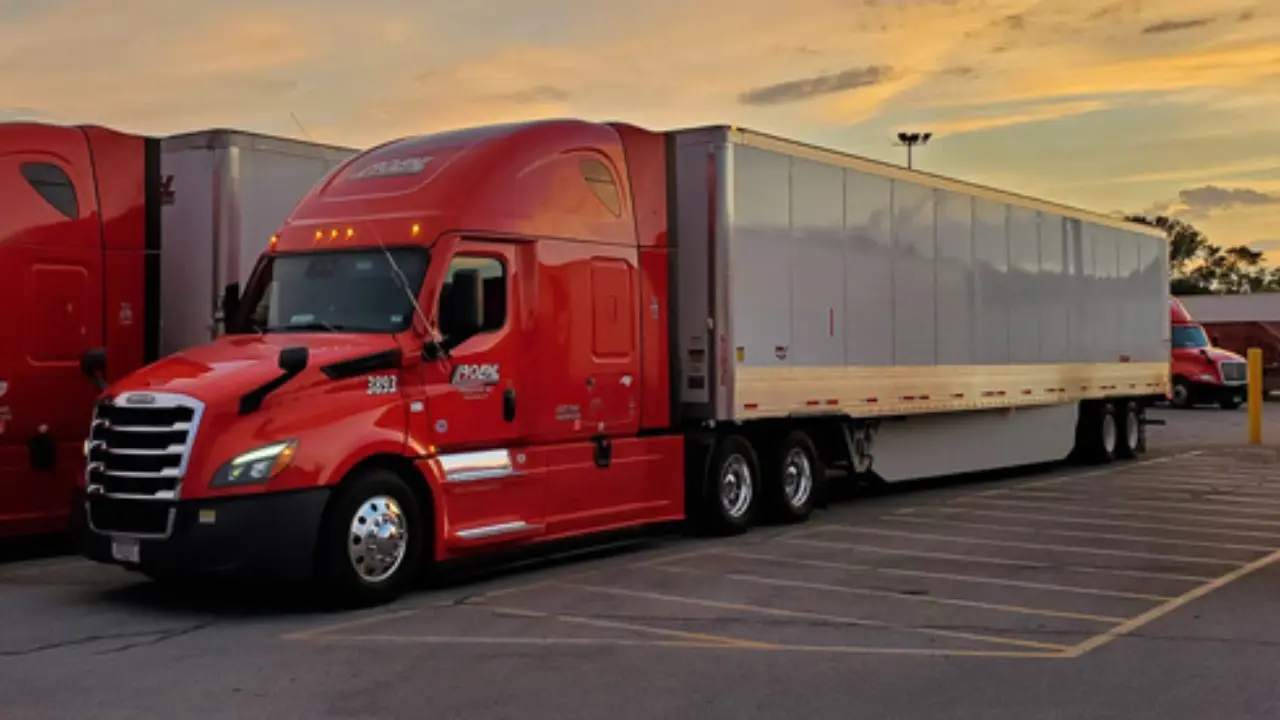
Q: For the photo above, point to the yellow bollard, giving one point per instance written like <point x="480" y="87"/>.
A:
<point x="1255" y="396"/>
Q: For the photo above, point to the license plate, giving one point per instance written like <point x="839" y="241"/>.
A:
<point x="126" y="550"/>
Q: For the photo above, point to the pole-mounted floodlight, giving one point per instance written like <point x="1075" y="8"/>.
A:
<point x="910" y="140"/>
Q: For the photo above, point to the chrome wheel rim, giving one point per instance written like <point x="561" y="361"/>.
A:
<point x="378" y="538"/>
<point x="797" y="477"/>
<point x="736" y="487"/>
<point x="1132" y="430"/>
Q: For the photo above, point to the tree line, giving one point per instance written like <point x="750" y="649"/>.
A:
<point x="1199" y="267"/>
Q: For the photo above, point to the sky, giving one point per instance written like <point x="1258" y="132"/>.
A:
<point x="1133" y="106"/>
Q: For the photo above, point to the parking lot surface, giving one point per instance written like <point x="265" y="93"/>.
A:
<point x="1142" y="589"/>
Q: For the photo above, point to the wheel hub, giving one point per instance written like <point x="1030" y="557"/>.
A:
<point x="1109" y="432"/>
<point x="377" y="539"/>
<point x="736" y="488"/>
<point x="1133" y="430"/>
<point x="797" y="477"/>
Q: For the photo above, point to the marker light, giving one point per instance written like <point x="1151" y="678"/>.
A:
<point x="275" y="240"/>
<point x="416" y="229"/>
<point x="351" y="232"/>
<point x="319" y="235"/>
<point x="333" y="234"/>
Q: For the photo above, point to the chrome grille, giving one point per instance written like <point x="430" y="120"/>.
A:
<point x="1233" y="371"/>
<point x="139" y="444"/>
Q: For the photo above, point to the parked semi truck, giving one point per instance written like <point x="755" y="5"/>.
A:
<point x="484" y="339"/>
<point x="1200" y="372"/>
<point x="119" y="243"/>
<point x="1235" y="323"/>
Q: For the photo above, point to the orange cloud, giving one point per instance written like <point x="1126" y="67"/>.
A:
<point x="967" y="123"/>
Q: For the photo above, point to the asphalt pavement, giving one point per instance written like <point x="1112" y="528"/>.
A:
<point x="1138" y="590"/>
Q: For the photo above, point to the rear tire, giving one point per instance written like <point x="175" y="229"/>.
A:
<point x="731" y="488"/>
<point x="794" y="479"/>
<point x="1132" y="433"/>
<point x="371" y="540"/>
<point x="1097" y="433"/>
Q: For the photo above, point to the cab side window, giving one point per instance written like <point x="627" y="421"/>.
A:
<point x="473" y="299"/>
<point x="53" y="184"/>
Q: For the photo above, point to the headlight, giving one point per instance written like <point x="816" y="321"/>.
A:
<point x="1207" y="377"/>
<point x="256" y="466"/>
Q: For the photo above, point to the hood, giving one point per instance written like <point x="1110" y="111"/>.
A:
<point x="1217" y="355"/>
<point x="236" y="364"/>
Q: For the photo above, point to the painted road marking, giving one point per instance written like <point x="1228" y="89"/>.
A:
<point x="1154" y="575"/>
<point x="1156" y="613"/>
<point x="1175" y="505"/>
<point x="1137" y="513"/>
<point x="926" y="520"/>
<point x="1012" y="609"/>
<point x="1035" y="546"/>
<point x="947" y="576"/>
<point x="959" y="510"/>
<point x="1131" y="510"/>
<point x="834" y="619"/>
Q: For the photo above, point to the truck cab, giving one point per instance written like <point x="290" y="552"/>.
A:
<point x="1202" y="373"/>
<point x="442" y="351"/>
<point x="74" y="255"/>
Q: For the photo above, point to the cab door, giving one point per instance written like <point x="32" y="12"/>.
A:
<point x="493" y="486"/>
<point x="51" y="311"/>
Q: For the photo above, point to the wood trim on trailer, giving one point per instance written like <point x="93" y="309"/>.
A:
<point x="870" y="391"/>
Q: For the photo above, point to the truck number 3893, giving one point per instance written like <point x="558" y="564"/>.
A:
<point x="382" y="384"/>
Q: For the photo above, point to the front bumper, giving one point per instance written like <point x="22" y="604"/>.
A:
<point x="272" y="535"/>
<point x="1202" y="392"/>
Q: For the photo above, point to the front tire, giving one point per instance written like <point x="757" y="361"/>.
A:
<point x="371" y="540"/>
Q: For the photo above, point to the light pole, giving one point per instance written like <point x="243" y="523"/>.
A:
<point x="910" y="140"/>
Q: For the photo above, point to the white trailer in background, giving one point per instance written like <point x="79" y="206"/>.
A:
<point x="225" y="193"/>
<point x="910" y="324"/>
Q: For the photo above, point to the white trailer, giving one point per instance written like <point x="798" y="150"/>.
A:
<point x="225" y="193"/>
<point x="908" y="324"/>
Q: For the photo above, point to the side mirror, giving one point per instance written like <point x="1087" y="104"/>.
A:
<point x="93" y="363"/>
<point x="293" y="360"/>
<point x="230" y="306"/>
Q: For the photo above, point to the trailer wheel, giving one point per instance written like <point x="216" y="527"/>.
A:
<point x="794" y="479"/>
<point x="1132" y="432"/>
<point x="1098" y="432"/>
<point x="732" y="487"/>
<point x="371" y="539"/>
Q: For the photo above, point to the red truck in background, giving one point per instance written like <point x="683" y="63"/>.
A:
<point x="111" y="247"/>
<point x="488" y="338"/>
<point x="1239" y="322"/>
<point x="1201" y="372"/>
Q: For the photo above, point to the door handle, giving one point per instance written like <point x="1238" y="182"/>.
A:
<point x="509" y="404"/>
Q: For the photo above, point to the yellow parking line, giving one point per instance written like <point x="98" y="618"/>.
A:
<point x="1158" y="503"/>
<point x="838" y="619"/>
<point x="957" y="510"/>
<point x="927" y="520"/>
<point x="316" y="632"/>
<point x="537" y="641"/>
<point x="1162" y="610"/>
<point x="1012" y="609"/>
<point x="1151" y="574"/>
<point x="1037" y="546"/>
<point x="703" y="638"/>
<point x="950" y="576"/>
<point x="1138" y="513"/>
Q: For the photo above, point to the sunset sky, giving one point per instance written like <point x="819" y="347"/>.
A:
<point x="1129" y="105"/>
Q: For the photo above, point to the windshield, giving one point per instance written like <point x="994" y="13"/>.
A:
<point x="334" y="291"/>
<point x="1189" y="336"/>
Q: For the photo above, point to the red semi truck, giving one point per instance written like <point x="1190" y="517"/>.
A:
<point x="1236" y="323"/>
<point x="116" y="242"/>
<point x="1202" y="373"/>
<point x="494" y="337"/>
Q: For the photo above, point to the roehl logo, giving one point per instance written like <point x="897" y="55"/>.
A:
<point x="477" y="374"/>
